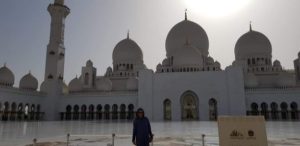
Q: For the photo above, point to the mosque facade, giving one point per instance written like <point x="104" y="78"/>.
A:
<point x="187" y="85"/>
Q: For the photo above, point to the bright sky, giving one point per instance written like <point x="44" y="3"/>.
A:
<point x="94" y="27"/>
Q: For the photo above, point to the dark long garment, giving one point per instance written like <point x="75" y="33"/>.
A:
<point x="142" y="133"/>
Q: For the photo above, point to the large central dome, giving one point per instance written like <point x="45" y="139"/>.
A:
<point x="251" y="44"/>
<point x="187" y="30"/>
<point x="188" y="56"/>
<point x="127" y="51"/>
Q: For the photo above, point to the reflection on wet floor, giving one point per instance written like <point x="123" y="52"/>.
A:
<point x="90" y="133"/>
<point x="160" y="141"/>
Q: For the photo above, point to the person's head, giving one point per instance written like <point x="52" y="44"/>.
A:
<point x="140" y="113"/>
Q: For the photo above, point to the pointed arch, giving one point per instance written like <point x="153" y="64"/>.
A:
<point x="26" y="111"/>
<point x="189" y="106"/>
<point x="107" y="111"/>
<point x="123" y="111"/>
<point x="167" y="110"/>
<point x="83" y="112"/>
<point x="13" y="111"/>
<point x="254" y="108"/>
<point x="76" y="112"/>
<point x="6" y="106"/>
<point x="284" y="111"/>
<point x="115" y="111"/>
<point x="130" y="115"/>
<point x="99" y="112"/>
<point x="91" y="112"/>
<point x="32" y="112"/>
<point x="264" y="110"/>
<point x="38" y="112"/>
<point x="213" y="109"/>
<point x="68" y="112"/>
<point x="5" y="111"/>
<point x="20" y="112"/>
<point x="274" y="111"/>
<point x="294" y="111"/>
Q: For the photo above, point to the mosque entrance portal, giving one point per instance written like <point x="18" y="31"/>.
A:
<point x="189" y="106"/>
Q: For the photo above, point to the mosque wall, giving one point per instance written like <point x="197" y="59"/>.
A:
<point x="145" y="99"/>
<point x="18" y="96"/>
<point x="226" y="87"/>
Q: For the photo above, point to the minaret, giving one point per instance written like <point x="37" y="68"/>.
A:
<point x="55" y="57"/>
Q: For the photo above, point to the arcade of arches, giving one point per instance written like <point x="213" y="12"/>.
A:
<point x="20" y="111"/>
<point x="189" y="110"/>
<point x="98" y="112"/>
<point x="275" y="111"/>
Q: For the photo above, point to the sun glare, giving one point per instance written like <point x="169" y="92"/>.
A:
<point x="216" y="8"/>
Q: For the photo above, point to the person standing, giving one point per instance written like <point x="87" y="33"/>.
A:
<point x="142" y="134"/>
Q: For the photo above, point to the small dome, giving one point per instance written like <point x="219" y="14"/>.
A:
<point x="217" y="63"/>
<point x="75" y="85"/>
<point x="159" y="65"/>
<point x="187" y="30"/>
<point x="7" y="77"/>
<point x="276" y="63"/>
<point x="188" y="56"/>
<point x="250" y="80"/>
<point x="126" y="51"/>
<point x="210" y="60"/>
<point x="132" y="84"/>
<point x="89" y="63"/>
<point x="109" y="71"/>
<point x="165" y="62"/>
<point x="252" y="44"/>
<point x="104" y="84"/>
<point x="28" y="82"/>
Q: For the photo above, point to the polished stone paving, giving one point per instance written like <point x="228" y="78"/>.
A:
<point x="94" y="133"/>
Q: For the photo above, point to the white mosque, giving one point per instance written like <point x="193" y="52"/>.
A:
<point x="187" y="85"/>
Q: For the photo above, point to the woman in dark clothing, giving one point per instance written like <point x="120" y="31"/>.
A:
<point x="142" y="134"/>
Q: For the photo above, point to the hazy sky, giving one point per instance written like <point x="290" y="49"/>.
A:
<point x="94" y="27"/>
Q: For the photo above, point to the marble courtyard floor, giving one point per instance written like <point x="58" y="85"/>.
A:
<point x="94" y="133"/>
